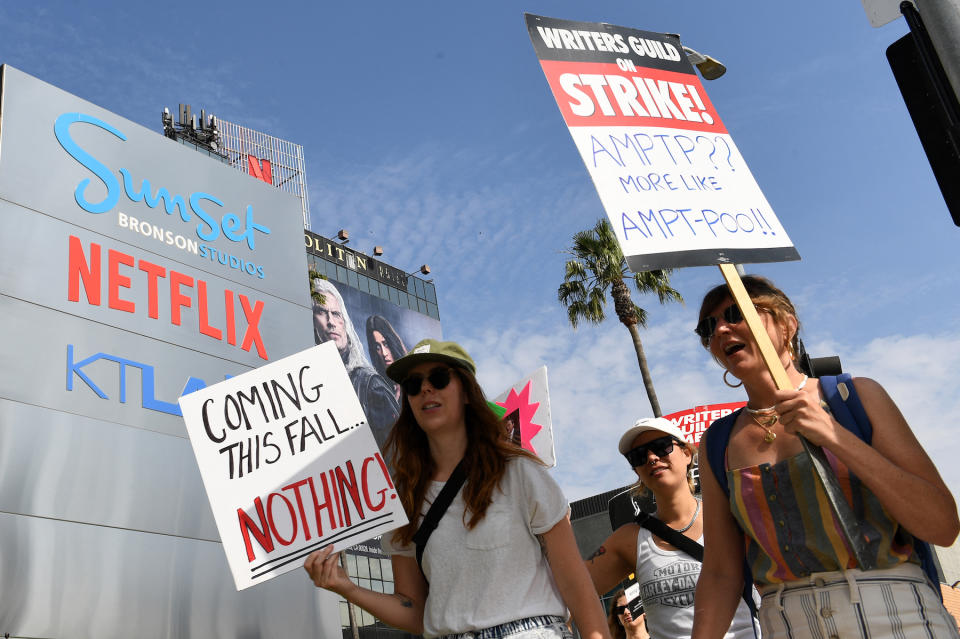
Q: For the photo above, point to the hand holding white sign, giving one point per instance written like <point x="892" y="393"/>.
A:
<point x="289" y="464"/>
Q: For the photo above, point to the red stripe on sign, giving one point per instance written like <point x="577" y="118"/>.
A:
<point x="694" y="421"/>
<point x="595" y="94"/>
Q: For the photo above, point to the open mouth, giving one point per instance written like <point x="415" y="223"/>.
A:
<point x="733" y="348"/>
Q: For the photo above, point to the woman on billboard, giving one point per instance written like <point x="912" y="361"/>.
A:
<point x="385" y="346"/>
<point x="331" y="322"/>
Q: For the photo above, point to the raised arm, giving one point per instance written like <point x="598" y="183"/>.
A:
<point x="574" y="582"/>
<point x="403" y="609"/>
<point x="895" y="467"/>
<point x="721" y="577"/>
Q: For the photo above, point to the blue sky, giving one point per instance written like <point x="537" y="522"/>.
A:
<point x="429" y="128"/>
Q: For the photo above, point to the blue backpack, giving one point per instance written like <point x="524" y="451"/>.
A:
<point x="847" y="409"/>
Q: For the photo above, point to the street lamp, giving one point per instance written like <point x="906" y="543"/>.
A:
<point x="710" y="68"/>
<point x="424" y="269"/>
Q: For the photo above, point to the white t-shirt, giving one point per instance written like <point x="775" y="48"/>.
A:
<point x="496" y="572"/>
<point x="668" y="579"/>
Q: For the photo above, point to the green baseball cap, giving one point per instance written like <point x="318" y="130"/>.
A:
<point x="431" y="350"/>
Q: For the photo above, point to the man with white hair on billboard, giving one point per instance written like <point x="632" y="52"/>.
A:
<point x="331" y="322"/>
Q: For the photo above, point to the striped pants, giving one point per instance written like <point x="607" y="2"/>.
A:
<point x="898" y="603"/>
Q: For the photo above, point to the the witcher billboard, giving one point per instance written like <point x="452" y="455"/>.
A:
<point x="370" y="333"/>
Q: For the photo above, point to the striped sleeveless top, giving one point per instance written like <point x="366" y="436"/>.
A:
<point x="790" y="530"/>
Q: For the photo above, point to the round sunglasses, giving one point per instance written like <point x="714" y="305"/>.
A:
<point x="708" y="325"/>
<point x="438" y="377"/>
<point x="661" y="447"/>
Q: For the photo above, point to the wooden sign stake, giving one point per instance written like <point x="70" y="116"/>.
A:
<point x="838" y="502"/>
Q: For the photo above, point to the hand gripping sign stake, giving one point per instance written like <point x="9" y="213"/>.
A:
<point x="838" y="502"/>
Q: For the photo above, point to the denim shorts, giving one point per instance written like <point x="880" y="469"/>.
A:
<point x="543" y="627"/>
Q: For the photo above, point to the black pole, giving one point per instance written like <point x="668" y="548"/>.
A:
<point x="931" y="64"/>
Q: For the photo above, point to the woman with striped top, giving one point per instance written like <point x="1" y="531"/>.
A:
<point x="777" y="517"/>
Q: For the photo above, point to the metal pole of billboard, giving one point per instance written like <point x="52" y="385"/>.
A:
<point x="831" y="486"/>
<point x="351" y="611"/>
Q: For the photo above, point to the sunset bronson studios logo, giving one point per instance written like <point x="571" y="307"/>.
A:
<point x="241" y="230"/>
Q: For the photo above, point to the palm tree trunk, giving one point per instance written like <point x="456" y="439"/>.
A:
<point x="644" y="371"/>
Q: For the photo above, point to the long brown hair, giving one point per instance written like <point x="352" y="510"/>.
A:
<point x="485" y="458"/>
<point x="617" y="631"/>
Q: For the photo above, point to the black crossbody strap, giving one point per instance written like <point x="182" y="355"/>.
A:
<point x="671" y="536"/>
<point x="437" y="508"/>
<point x="689" y="546"/>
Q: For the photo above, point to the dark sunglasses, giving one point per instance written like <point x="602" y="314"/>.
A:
<point x="438" y="377"/>
<point x="708" y="325"/>
<point x="618" y="610"/>
<point x="661" y="447"/>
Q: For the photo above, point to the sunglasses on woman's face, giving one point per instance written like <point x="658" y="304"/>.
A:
<point x="438" y="377"/>
<point x="619" y="610"/>
<point x="661" y="447"/>
<point x="708" y="325"/>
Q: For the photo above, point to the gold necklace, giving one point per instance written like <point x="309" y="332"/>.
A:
<point x="767" y="418"/>
<point x="767" y="424"/>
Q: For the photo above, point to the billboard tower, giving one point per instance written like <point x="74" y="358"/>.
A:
<point x="267" y="158"/>
<point x="134" y="270"/>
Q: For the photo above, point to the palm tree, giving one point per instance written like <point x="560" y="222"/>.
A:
<point x="317" y="297"/>
<point x="599" y="266"/>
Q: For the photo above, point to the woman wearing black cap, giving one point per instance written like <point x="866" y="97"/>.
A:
<point x="502" y="560"/>
<point x="667" y="575"/>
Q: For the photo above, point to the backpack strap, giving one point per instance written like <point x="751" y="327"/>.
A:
<point x="671" y="536"/>
<point x="715" y="440"/>
<point x="691" y="547"/>
<point x="437" y="509"/>
<point x="841" y="396"/>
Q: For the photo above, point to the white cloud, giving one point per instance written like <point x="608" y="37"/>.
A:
<point x="596" y="390"/>
<point x="920" y="374"/>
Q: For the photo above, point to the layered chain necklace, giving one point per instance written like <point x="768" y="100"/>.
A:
<point x="767" y="418"/>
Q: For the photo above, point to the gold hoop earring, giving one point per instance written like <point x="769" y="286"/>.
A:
<point x="791" y="351"/>
<point x="728" y="383"/>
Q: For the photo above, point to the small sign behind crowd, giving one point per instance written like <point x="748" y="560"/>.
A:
<point x="693" y="422"/>
<point x="289" y="464"/>
<point x="525" y="411"/>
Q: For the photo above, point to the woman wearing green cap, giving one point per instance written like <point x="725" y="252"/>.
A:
<point x="502" y="561"/>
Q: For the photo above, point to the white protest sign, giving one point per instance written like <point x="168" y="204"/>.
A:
<point x="881" y="12"/>
<point x="289" y="464"/>
<point x="526" y="410"/>
<point x="672" y="181"/>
